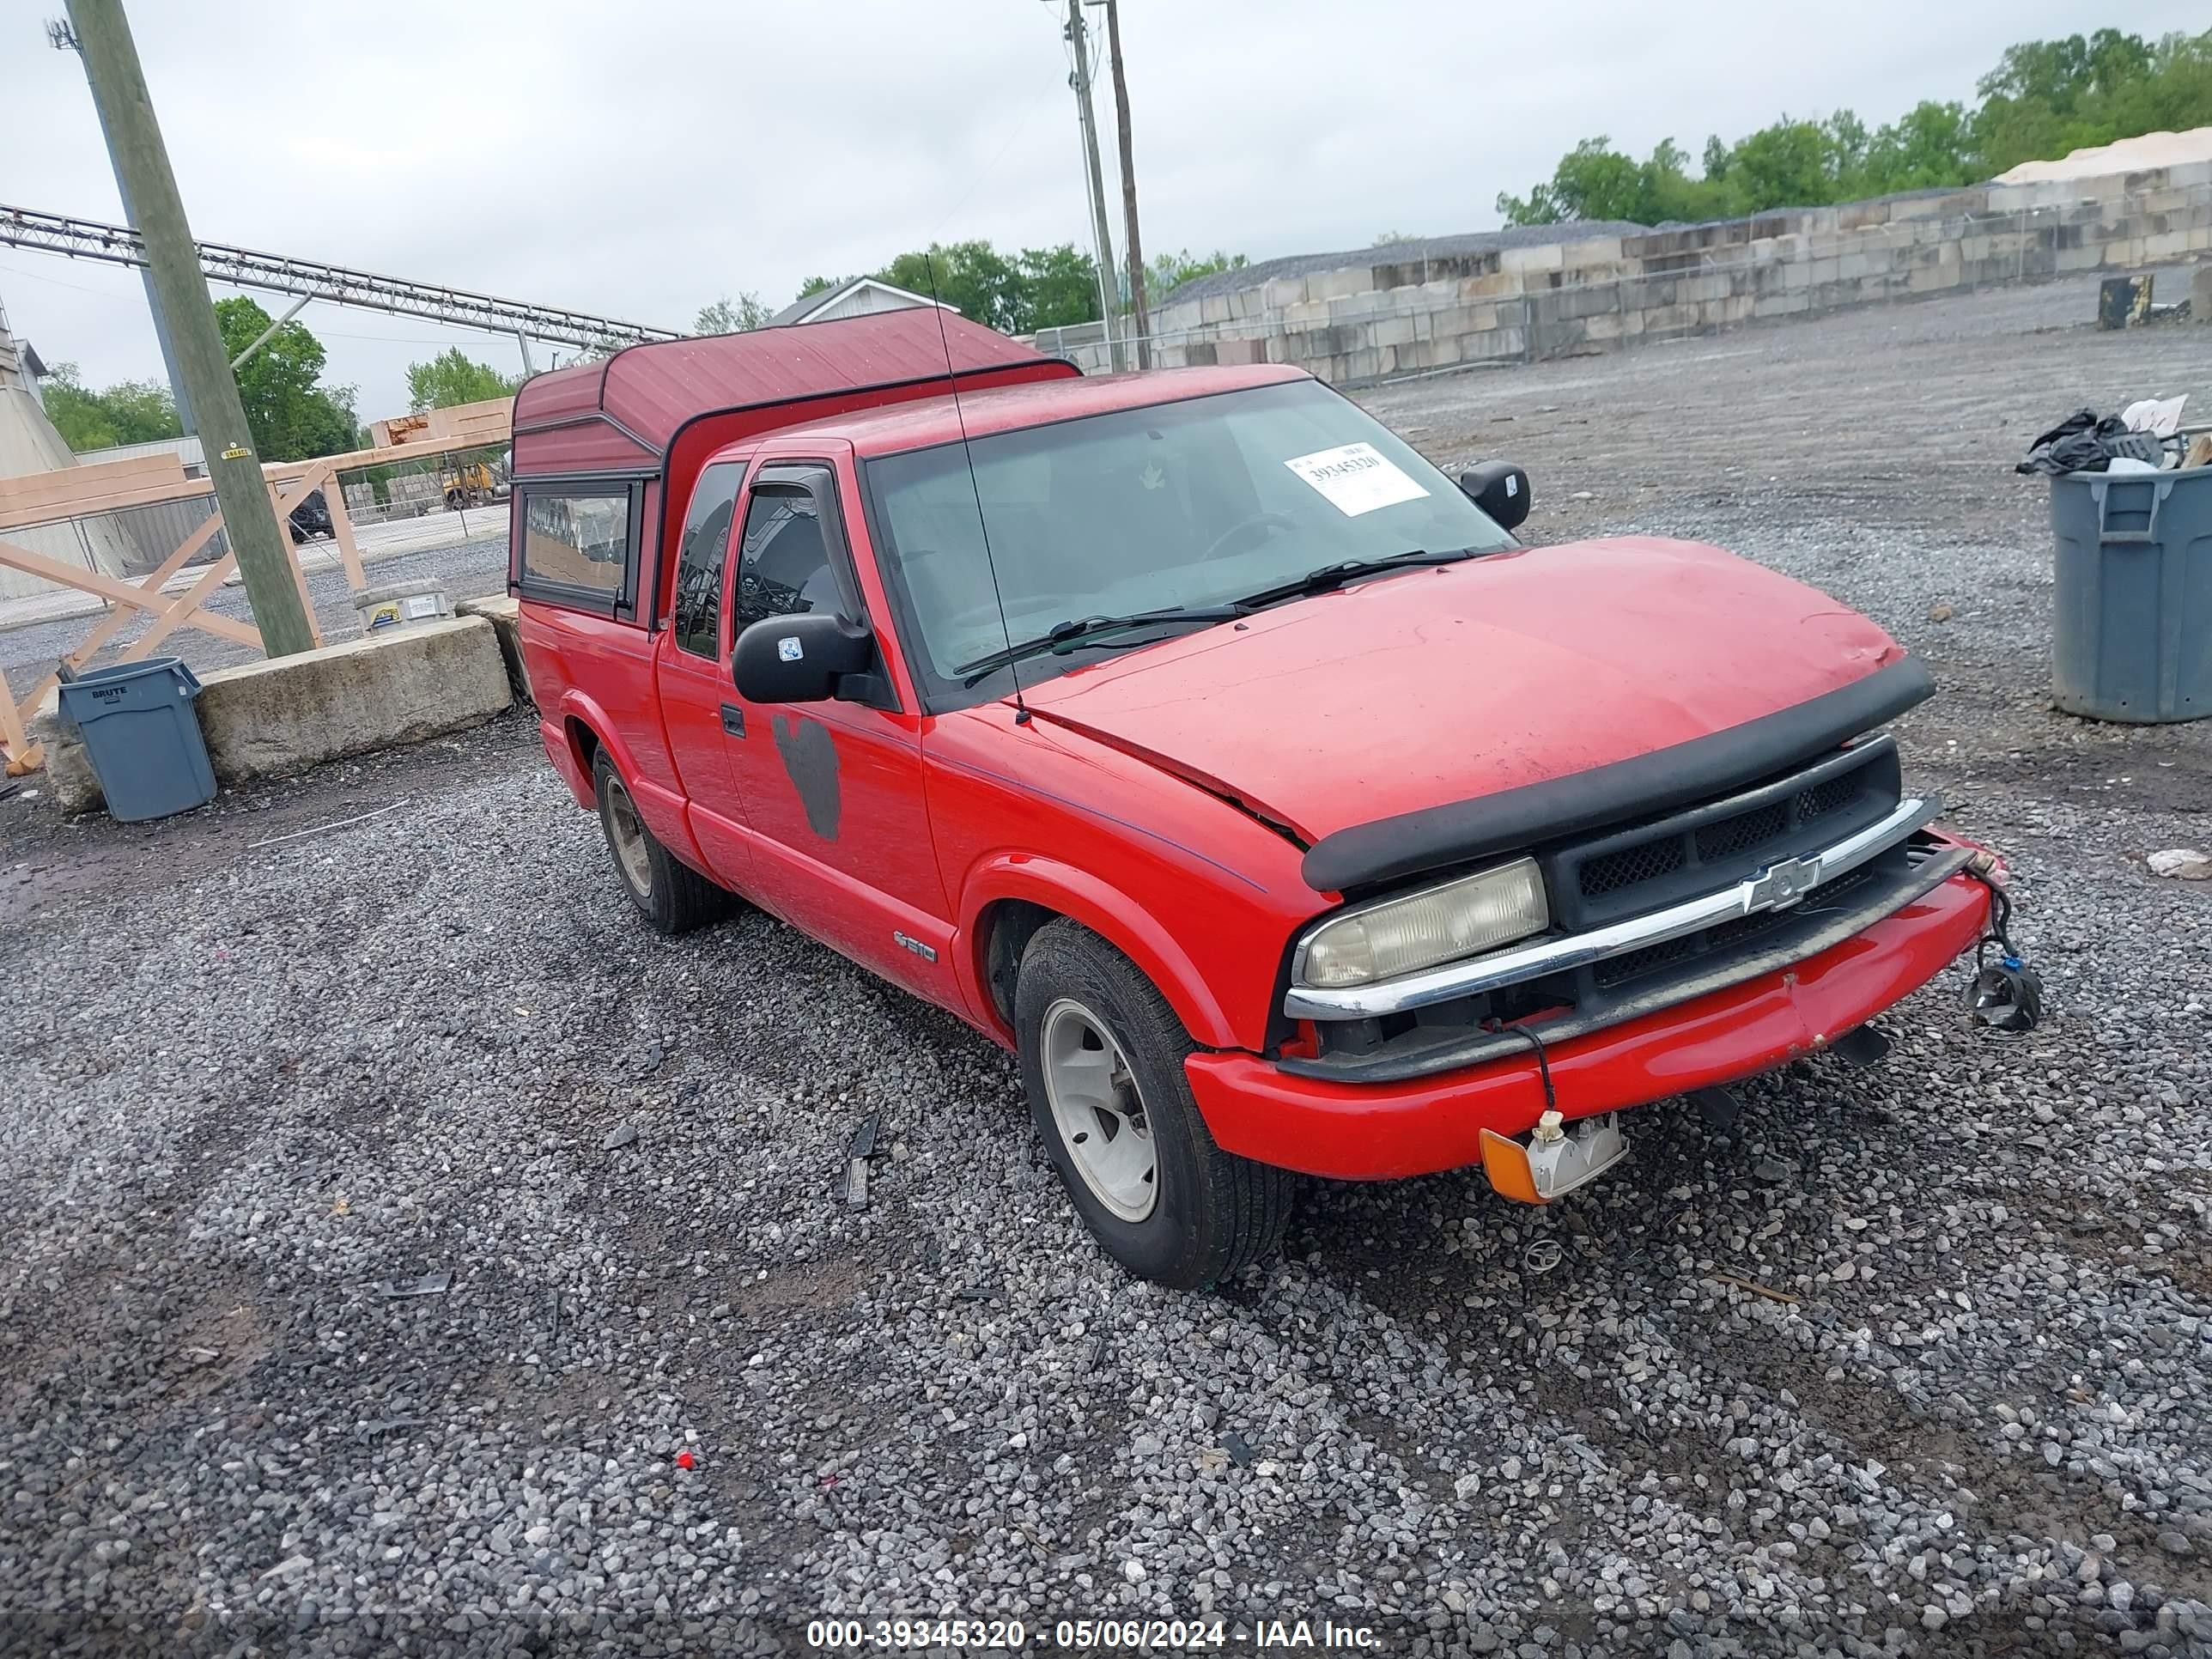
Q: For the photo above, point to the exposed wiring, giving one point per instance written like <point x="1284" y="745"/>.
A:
<point x="1999" y="933"/>
<point x="1543" y="1065"/>
<point x="15" y="270"/>
<point x="989" y="167"/>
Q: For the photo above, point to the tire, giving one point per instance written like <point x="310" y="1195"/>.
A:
<point x="667" y="892"/>
<point x="1209" y="1212"/>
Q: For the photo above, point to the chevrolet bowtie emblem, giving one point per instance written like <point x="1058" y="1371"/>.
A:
<point x="1778" y="886"/>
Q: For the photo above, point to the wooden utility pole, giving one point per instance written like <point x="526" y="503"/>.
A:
<point x="134" y="138"/>
<point x="1136" y="250"/>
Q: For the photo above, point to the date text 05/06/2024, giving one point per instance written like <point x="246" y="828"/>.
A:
<point x="1085" y="1635"/>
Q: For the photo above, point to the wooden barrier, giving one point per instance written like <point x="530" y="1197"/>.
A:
<point x="143" y="480"/>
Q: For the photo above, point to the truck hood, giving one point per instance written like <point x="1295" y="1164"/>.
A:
<point x="1453" y="682"/>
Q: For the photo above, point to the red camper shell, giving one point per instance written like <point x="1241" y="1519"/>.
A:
<point x="617" y="444"/>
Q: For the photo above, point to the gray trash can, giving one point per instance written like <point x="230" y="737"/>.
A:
<point x="142" y="736"/>
<point x="2131" y="627"/>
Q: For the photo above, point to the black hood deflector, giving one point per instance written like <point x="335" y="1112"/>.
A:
<point x="1514" y="820"/>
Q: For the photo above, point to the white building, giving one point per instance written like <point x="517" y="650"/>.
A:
<point x="861" y="297"/>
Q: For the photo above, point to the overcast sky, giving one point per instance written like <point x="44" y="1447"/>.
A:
<point x="640" y="160"/>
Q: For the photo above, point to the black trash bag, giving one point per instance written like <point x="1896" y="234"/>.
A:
<point x="2084" y="442"/>
<point x="2081" y="420"/>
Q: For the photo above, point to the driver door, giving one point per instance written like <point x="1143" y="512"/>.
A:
<point x="832" y="790"/>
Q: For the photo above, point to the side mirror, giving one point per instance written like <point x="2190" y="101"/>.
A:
<point x="799" y="658"/>
<point x="1500" y="489"/>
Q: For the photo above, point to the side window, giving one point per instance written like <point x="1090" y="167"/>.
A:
<point x="577" y="540"/>
<point x="698" y="613"/>
<point x="785" y="564"/>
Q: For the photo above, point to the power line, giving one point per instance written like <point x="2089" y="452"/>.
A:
<point x="237" y="267"/>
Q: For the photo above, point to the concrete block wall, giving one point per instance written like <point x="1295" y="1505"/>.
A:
<point x="1370" y="322"/>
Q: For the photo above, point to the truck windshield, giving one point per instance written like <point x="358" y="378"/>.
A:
<point x="1188" y="504"/>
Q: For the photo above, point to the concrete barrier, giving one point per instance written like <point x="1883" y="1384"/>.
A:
<point x="268" y="719"/>
<point x="504" y="613"/>
<point x="1364" y="323"/>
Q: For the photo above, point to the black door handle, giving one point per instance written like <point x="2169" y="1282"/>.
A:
<point x="733" y="720"/>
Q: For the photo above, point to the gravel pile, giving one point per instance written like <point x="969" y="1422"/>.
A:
<point x="1916" y="1358"/>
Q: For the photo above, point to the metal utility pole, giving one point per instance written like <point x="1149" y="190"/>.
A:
<point x="1109" y="286"/>
<point x="1138" y="324"/>
<point x="269" y="332"/>
<point x="134" y="138"/>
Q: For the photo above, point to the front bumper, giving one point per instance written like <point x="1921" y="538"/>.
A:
<point x="1381" y="1131"/>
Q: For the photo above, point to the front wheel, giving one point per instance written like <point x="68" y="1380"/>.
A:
<point x="668" y="893"/>
<point x="1102" y="1062"/>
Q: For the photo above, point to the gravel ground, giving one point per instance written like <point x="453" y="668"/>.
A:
<point x="1916" y="1360"/>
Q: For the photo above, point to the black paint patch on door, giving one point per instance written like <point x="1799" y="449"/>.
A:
<point x="810" y="756"/>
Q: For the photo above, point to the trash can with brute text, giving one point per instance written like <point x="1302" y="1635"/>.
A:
<point x="2132" y="623"/>
<point x="141" y="735"/>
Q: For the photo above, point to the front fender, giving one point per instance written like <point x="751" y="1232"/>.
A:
<point x="1106" y="911"/>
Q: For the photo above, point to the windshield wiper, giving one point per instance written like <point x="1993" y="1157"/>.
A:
<point x="1063" y="636"/>
<point x="1335" y="575"/>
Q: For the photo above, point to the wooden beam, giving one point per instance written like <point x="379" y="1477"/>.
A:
<point x="341" y="532"/>
<point x="16" y="515"/>
<point x="128" y="473"/>
<point x="116" y="621"/>
<point x="23" y="754"/>
<point x="283" y="506"/>
<point x="186" y="612"/>
<point x="77" y="492"/>
<point x="107" y="587"/>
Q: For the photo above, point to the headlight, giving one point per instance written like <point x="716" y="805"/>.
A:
<point x="1402" y="936"/>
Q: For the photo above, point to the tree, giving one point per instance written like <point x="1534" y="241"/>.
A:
<point x="1037" y="288"/>
<point x="291" y="416"/>
<point x="1789" y="164"/>
<point x="2043" y="98"/>
<point x="128" y="412"/>
<point x="452" y="378"/>
<point x="1169" y="271"/>
<point x="2046" y="97"/>
<point x="728" y="316"/>
<point x="1925" y="148"/>
<point x="974" y="277"/>
<point x="1059" y="286"/>
<point x="1595" y="181"/>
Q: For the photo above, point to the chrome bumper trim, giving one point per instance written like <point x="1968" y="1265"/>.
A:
<point x="1775" y="888"/>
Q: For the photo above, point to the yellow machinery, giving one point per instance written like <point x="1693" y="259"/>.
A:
<point x="467" y="485"/>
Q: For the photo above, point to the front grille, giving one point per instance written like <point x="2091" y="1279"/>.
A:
<point x="1733" y="934"/>
<point x="1716" y="842"/>
<point x="1704" y="848"/>
<point x="1619" y="970"/>
<point x="1610" y="871"/>
<point x="1822" y="798"/>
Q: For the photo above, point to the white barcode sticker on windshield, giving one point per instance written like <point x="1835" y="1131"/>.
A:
<point x="1355" y="478"/>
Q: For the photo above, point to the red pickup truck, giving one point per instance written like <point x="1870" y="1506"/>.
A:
<point x="1191" y="735"/>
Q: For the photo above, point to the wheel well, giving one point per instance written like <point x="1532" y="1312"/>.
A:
<point x="584" y="743"/>
<point x="1008" y="928"/>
